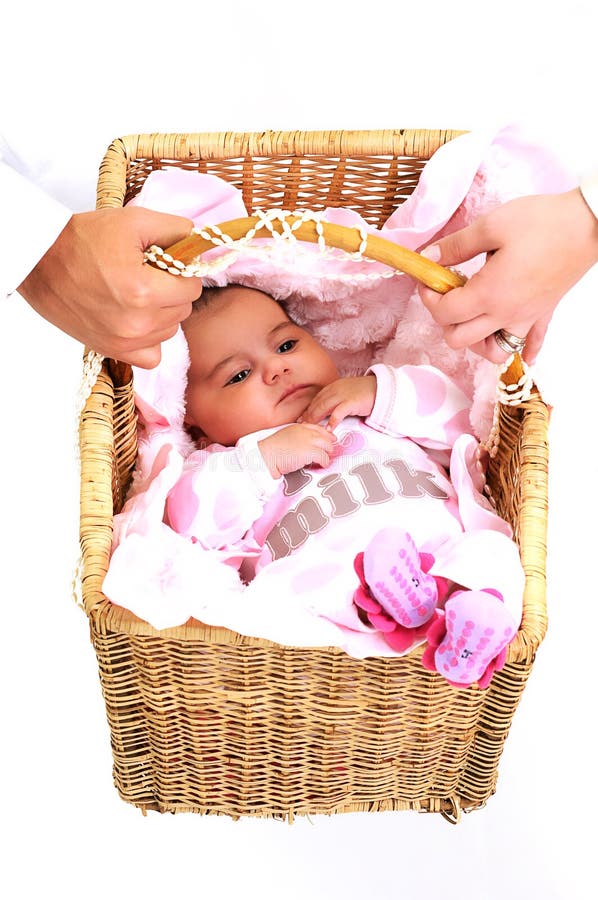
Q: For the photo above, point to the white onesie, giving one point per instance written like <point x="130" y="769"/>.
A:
<point x="412" y="462"/>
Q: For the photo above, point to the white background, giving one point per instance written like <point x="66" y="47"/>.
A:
<point x="73" y="78"/>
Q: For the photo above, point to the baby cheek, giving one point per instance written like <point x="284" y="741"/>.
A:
<point x="332" y="373"/>
<point x="195" y="402"/>
<point x="323" y="367"/>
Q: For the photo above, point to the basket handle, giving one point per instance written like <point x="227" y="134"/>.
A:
<point x="351" y="240"/>
<point x="341" y="237"/>
<point x="515" y="379"/>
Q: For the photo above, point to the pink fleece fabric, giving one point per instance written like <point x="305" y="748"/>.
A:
<point x="361" y="321"/>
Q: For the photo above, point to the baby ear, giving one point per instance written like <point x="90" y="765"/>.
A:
<point x="197" y="436"/>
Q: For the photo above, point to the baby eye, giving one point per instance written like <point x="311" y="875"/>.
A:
<point x="286" y="346"/>
<point x="239" y="377"/>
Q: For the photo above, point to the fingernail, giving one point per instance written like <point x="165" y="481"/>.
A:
<point x="432" y="252"/>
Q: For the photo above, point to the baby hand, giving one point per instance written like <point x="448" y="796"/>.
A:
<point x="345" y="397"/>
<point x="295" y="446"/>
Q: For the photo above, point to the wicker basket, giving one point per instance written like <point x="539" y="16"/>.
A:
<point x="206" y="720"/>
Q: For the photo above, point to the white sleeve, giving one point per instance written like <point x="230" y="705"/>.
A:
<point x="221" y="494"/>
<point x="421" y="403"/>
<point x="30" y="222"/>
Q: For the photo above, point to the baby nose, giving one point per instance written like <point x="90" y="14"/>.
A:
<point x="275" y="367"/>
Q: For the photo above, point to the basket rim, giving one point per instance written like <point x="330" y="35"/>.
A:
<point x="418" y="143"/>
<point x="206" y="146"/>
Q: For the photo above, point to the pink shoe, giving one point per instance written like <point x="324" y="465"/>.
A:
<point x="470" y="642"/>
<point x="397" y="595"/>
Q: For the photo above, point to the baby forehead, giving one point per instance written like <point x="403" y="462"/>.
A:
<point x="236" y="295"/>
<point x="235" y="321"/>
<point x="236" y="308"/>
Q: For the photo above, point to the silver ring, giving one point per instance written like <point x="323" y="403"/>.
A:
<point x="508" y="342"/>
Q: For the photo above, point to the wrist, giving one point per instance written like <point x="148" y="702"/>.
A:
<point x="254" y="460"/>
<point x="269" y="458"/>
<point x="23" y="203"/>
<point x="589" y="191"/>
<point x="587" y="199"/>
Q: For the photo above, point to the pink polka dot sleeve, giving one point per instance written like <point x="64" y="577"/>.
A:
<point x="421" y="403"/>
<point x="219" y="496"/>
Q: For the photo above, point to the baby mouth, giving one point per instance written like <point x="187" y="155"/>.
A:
<point x="292" y="391"/>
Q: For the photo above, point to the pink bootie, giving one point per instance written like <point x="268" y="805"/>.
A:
<point x="469" y="643"/>
<point x="397" y="595"/>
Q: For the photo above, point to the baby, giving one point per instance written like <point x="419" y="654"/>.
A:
<point x="252" y="368"/>
<point x="291" y="455"/>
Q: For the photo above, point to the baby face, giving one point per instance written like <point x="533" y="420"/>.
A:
<point x="251" y="367"/>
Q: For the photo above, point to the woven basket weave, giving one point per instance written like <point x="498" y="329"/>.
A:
<point x="206" y="720"/>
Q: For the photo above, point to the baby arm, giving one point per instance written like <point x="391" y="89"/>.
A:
<point x="295" y="446"/>
<point x="421" y="403"/>
<point x="354" y="396"/>
<point x="220" y="495"/>
<point x="418" y="402"/>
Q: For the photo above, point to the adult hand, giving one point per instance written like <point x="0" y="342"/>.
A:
<point x="94" y="285"/>
<point x="538" y="247"/>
